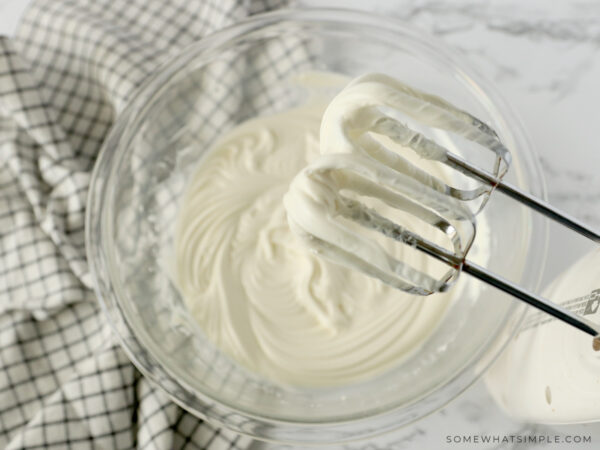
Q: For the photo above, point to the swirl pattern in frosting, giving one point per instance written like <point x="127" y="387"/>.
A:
<point x="257" y="292"/>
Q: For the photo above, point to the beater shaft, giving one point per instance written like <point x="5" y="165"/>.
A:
<point x="532" y="299"/>
<point x="451" y="259"/>
<point x="528" y="200"/>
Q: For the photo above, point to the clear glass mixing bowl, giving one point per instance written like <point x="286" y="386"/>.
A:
<point x="238" y="73"/>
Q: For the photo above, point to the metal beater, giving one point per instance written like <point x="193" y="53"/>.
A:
<point x="364" y="166"/>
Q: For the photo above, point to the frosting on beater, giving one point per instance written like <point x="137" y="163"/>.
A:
<point x="362" y="148"/>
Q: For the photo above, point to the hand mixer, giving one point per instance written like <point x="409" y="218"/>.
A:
<point x="324" y="207"/>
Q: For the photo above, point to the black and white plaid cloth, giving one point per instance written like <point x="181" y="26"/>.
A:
<point x="64" y="381"/>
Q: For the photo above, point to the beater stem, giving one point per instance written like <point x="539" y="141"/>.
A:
<point x="524" y="198"/>
<point x="534" y="300"/>
<point x="482" y="274"/>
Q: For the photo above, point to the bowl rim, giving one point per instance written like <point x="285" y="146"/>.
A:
<point x="215" y="408"/>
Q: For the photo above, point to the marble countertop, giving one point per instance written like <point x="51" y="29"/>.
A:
<point x="544" y="57"/>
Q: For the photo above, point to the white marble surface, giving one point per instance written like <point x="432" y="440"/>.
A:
<point x="545" y="59"/>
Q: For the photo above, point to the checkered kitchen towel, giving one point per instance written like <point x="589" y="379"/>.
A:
<point x="64" y="382"/>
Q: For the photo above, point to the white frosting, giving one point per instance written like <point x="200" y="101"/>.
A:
<point x="362" y="148"/>
<point x="256" y="291"/>
<point x="316" y="211"/>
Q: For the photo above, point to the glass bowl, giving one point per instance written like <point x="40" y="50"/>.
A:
<point x="238" y="73"/>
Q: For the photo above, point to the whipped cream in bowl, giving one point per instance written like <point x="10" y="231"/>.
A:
<point x="209" y="291"/>
<point x="257" y="292"/>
